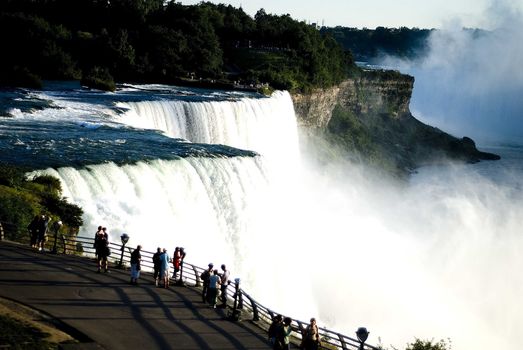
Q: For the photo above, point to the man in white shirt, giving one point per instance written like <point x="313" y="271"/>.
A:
<point x="224" y="281"/>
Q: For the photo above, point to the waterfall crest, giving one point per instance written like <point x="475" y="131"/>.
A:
<point x="264" y="125"/>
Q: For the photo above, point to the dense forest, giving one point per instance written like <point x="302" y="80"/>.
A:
<point x="102" y="41"/>
<point x="368" y="44"/>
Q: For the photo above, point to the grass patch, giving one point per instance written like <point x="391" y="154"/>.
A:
<point x="16" y="334"/>
<point x="24" y="328"/>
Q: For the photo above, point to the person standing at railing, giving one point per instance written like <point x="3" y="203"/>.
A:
<point x="177" y="257"/>
<point x="214" y="282"/>
<point x="157" y="264"/>
<point x="224" y="282"/>
<point x="165" y="261"/>
<point x="101" y="246"/>
<point x="182" y="258"/>
<point x="42" y="232"/>
<point x="33" y="231"/>
<point x="283" y="337"/>
<point x="136" y="258"/>
<point x="273" y="329"/>
<point x="311" y="336"/>
<point x="205" y="282"/>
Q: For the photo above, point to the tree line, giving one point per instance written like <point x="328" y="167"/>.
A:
<point x="368" y="44"/>
<point x="102" y="41"/>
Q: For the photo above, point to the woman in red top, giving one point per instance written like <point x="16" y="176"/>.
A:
<point x="177" y="258"/>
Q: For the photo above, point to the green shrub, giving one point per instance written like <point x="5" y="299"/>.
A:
<point x="429" y="345"/>
<point x="99" y="78"/>
<point x="17" y="209"/>
<point x="22" y="199"/>
<point x="20" y="77"/>
<point x="50" y="184"/>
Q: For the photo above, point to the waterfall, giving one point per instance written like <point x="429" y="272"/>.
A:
<point x="203" y="204"/>
<point x="224" y="210"/>
<point x="265" y="125"/>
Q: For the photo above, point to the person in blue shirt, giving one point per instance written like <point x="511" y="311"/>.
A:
<point x="165" y="261"/>
<point x="214" y="283"/>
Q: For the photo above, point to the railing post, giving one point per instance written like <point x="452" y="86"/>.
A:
<point x="235" y="315"/>
<point x="56" y="228"/>
<point x="240" y="300"/>
<point x="255" y="314"/>
<point x="64" y="243"/>
<point x="342" y="341"/>
<point x="196" y="277"/>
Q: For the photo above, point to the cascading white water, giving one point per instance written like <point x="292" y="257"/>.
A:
<point x="333" y="242"/>
<point x="203" y="204"/>
<point x="265" y="125"/>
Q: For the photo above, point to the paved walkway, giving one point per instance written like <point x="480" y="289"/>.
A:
<point x="110" y="313"/>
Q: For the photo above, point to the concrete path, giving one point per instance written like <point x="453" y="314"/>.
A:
<point x="109" y="313"/>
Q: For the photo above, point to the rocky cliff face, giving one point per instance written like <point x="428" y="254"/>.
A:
<point x="373" y="93"/>
<point x="370" y="115"/>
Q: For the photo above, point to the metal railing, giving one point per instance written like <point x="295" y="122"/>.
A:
<point x="245" y="306"/>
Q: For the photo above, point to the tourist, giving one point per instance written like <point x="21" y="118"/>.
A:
<point x="283" y="335"/>
<point x="273" y="329"/>
<point x="214" y="282"/>
<point x="224" y="282"/>
<point x="177" y="257"/>
<point x="182" y="257"/>
<point x="136" y="258"/>
<point x="205" y="281"/>
<point x="165" y="260"/>
<point x="42" y="232"/>
<point x="157" y="265"/>
<point x="311" y="336"/>
<point x="101" y="246"/>
<point x="33" y="231"/>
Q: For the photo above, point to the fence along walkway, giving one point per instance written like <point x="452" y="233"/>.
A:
<point x="244" y="305"/>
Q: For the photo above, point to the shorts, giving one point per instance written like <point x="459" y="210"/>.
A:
<point x="164" y="273"/>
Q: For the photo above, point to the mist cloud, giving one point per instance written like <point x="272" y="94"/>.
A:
<point x="471" y="83"/>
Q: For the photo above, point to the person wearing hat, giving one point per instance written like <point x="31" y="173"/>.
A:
<point x="205" y="281"/>
<point x="165" y="261"/>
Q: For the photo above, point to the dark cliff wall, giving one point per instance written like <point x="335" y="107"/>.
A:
<point x="369" y="116"/>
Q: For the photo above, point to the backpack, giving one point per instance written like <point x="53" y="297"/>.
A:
<point x="205" y="276"/>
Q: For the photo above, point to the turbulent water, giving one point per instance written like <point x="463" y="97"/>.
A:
<point x="222" y="175"/>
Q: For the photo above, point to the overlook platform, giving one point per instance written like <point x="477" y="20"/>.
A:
<point x="105" y="312"/>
